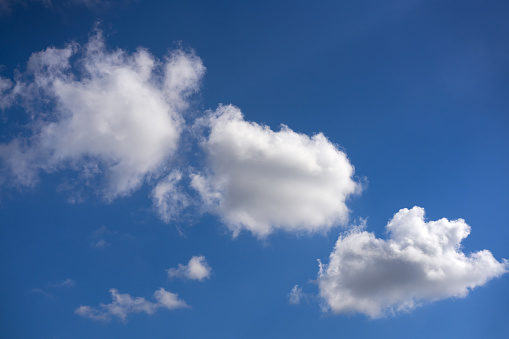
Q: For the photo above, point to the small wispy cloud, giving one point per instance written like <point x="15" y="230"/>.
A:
<point x="100" y="235"/>
<point x="168" y="197"/>
<point x="42" y="292"/>
<point x="53" y="286"/>
<point x="65" y="283"/>
<point x="295" y="295"/>
<point x="101" y="243"/>
<point x="123" y="304"/>
<point x="196" y="269"/>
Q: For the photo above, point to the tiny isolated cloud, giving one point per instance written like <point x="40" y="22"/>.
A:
<point x="123" y="304"/>
<point x="295" y="295"/>
<point x="421" y="261"/>
<point x="100" y="236"/>
<point x="100" y="243"/>
<point x="65" y="283"/>
<point x="107" y="114"/>
<point x="42" y="292"/>
<point x="196" y="269"/>
<point x="261" y="180"/>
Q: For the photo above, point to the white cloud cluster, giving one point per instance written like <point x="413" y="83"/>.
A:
<point x="116" y="118"/>
<point x="123" y="305"/>
<point x="261" y="180"/>
<point x="196" y="269"/>
<point x="421" y="261"/>
<point x="106" y="113"/>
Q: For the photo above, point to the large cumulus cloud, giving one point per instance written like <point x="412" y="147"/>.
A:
<point x="262" y="180"/>
<point x="421" y="261"/>
<point x="99" y="111"/>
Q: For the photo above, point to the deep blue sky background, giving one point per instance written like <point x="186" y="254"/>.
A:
<point x="415" y="92"/>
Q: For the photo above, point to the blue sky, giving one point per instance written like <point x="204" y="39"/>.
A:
<point x="177" y="168"/>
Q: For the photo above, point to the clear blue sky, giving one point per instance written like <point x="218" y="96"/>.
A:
<point x="414" y="93"/>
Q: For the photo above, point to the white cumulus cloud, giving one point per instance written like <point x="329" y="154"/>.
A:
<point x="261" y="180"/>
<point x="105" y="113"/>
<point x="421" y="261"/>
<point x="196" y="269"/>
<point x="123" y="305"/>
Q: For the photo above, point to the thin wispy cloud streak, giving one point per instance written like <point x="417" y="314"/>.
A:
<point x="65" y="283"/>
<point x="53" y="287"/>
<point x="169" y="197"/>
<point x="123" y="304"/>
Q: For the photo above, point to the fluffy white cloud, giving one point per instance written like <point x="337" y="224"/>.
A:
<point x="107" y="113"/>
<point x="261" y="180"/>
<point x="421" y="261"/>
<point x="123" y="304"/>
<point x="196" y="269"/>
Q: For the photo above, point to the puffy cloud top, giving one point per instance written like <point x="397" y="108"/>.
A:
<point x="261" y="180"/>
<point x="421" y="261"/>
<point x="107" y="112"/>
<point x="196" y="269"/>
